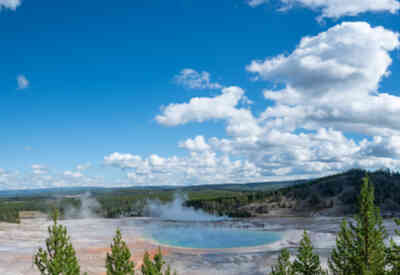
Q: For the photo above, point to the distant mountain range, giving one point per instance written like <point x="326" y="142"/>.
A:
<point x="63" y="191"/>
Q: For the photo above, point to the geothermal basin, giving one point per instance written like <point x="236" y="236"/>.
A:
<point x="242" y="246"/>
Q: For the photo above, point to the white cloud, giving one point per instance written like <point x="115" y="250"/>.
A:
<point x="196" y="144"/>
<point x="197" y="168"/>
<point x="222" y="107"/>
<point x="123" y="160"/>
<point x="83" y="167"/>
<point x="73" y="174"/>
<point x="39" y="169"/>
<point x="255" y="3"/>
<point x="200" y="109"/>
<point x="332" y="80"/>
<point x="42" y="177"/>
<point x="38" y="166"/>
<point x="331" y="89"/>
<point x="22" y="82"/>
<point x="338" y="8"/>
<point x="382" y="147"/>
<point x="192" y="79"/>
<point x="10" y="4"/>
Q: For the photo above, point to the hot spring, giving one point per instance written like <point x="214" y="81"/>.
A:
<point x="186" y="227"/>
<point x="209" y="236"/>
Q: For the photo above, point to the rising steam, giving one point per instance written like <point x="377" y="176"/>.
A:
<point x="175" y="210"/>
<point x="89" y="207"/>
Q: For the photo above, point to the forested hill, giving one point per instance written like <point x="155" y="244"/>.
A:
<point x="334" y="195"/>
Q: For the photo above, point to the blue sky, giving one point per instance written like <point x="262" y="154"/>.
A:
<point x="196" y="92"/>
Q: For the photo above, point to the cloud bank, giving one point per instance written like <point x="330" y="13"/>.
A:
<point x="338" y="8"/>
<point x="10" y="4"/>
<point x="330" y="93"/>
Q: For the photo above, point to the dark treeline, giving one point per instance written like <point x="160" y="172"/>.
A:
<point x="112" y="203"/>
<point x="346" y="187"/>
<point x="339" y="191"/>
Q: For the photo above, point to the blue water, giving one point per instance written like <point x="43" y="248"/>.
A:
<point x="211" y="237"/>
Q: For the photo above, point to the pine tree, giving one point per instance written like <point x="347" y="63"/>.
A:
<point x="159" y="260"/>
<point x="394" y="254"/>
<point x="155" y="266"/>
<point x="148" y="267"/>
<point x="307" y="262"/>
<point x="340" y="262"/>
<point x="59" y="257"/>
<point x="284" y="266"/>
<point x="118" y="262"/>
<point x="360" y="247"/>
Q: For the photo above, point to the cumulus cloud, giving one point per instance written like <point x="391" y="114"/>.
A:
<point x="196" y="144"/>
<point x="192" y="79"/>
<point x="331" y="88"/>
<point x="274" y="155"/>
<point x="332" y="80"/>
<point x="331" y="91"/>
<point x="83" y="167"/>
<point x="22" y="82"/>
<point x="39" y="169"/>
<point x="204" y="167"/>
<point x="222" y="107"/>
<point x="9" y="4"/>
<point x="6" y="181"/>
<point x="382" y="147"/>
<point x="338" y="8"/>
<point x="255" y="3"/>
<point x="73" y="174"/>
<point x="200" y="109"/>
<point x="40" y="176"/>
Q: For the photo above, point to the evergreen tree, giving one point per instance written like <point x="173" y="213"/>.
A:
<point x="155" y="266"/>
<point x="307" y="262"/>
<point x="340" y="262"/>
<point x="148" y="267"/>
<point x="59" y="257"/>
<point x="394" y="254"/>
<point x="284" y="266"/>
<point x="360" y="247"/>
<point x="118" y="262"/>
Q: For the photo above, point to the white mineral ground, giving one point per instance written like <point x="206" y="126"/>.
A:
<point x="92" y="237"/>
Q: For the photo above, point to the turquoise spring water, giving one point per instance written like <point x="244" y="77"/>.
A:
<point x="211" y="237"/>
